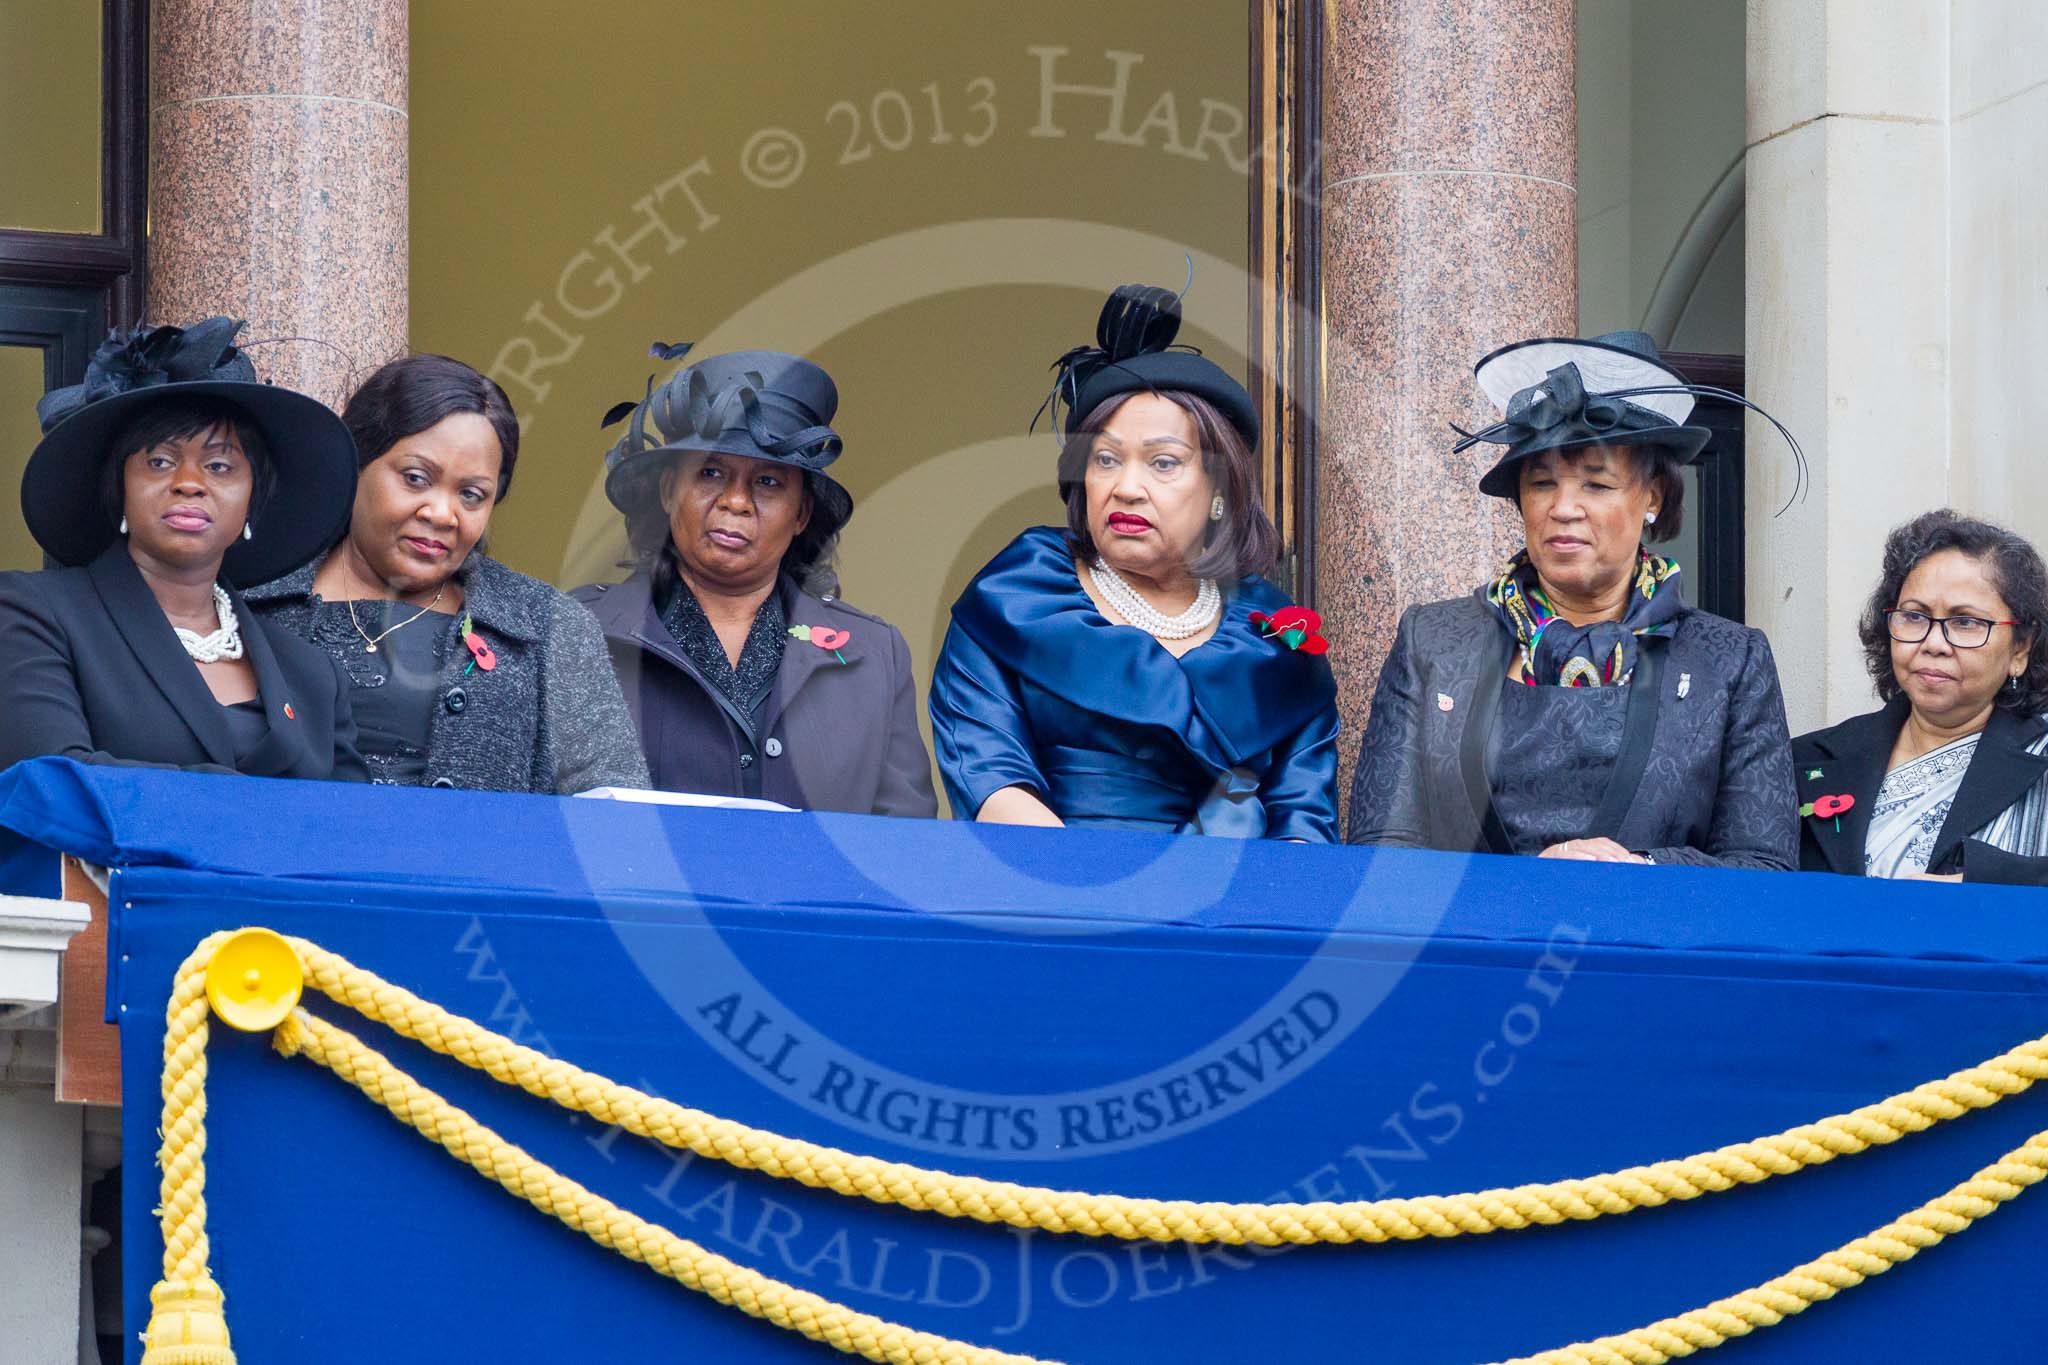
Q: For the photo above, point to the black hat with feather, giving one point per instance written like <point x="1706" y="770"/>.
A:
<point x="760" y="405"/>
<point x="312" y="454"/>
<point x="1134" y="352"/>
<point x="1566" y="393"/>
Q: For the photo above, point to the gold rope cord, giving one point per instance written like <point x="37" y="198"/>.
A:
<point x="188" y="1325"/>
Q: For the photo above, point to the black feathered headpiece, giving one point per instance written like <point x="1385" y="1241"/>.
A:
<point x="1564" y="393"/>
<point x="1134" y="352"/>
<point x="761" y="405"/>
<point x="313" y="455"/>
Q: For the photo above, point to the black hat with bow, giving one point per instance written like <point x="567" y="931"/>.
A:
<point x="1561" y="393"/>
<point x="1134" y="352"/>
<point x="760" y="405"/>
<point x="313" y="455"/>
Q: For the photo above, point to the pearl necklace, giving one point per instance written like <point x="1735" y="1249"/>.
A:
<point x="1208" y="605"/>
<point x="225" y="642"/>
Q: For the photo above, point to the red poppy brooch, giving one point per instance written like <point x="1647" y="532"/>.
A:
<point x="824" y="637"/>
<point x="1295" y="627"/>
<point x="481" y="654"/>
<point x="1828" y="807"/>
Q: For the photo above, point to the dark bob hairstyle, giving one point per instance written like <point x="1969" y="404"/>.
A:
<point x="808" y="560"/>
<point x="1243" y="543"/>
<point x="417" y="392"/>
<point x="1653" y="465"/>
<point x="179" y="419"/>
<point x="2014" y="568"/>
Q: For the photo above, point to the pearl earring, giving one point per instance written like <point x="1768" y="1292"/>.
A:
<point x="248" y="531"/>
<point x="1649" y="518"/>
<point x="124" y="526"/>
<point x="1216" y="508"/>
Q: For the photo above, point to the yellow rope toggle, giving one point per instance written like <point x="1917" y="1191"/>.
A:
<point x="1164" y="1220"/>
<point x="188" y="1324"/>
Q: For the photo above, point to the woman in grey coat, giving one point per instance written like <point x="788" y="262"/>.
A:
<point x="747" y="676"/>
<point x="1577" y="707"/>
<point x="464" y="673"/>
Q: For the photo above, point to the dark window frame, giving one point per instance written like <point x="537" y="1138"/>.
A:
<point x="1721" y="576"/>
<point x="1284" y="219"/>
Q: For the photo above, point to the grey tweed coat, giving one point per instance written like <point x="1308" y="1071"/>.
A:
<point x="548" y="718"/>
<point x="1716" y="788"/>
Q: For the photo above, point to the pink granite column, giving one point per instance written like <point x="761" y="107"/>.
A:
<point x="278" y="179"/>
<point x="1449" y="228"/>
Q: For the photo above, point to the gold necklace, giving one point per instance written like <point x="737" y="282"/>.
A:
<point x="369" y="640"/>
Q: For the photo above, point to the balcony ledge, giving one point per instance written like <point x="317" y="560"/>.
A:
<point x="33" y="935"/>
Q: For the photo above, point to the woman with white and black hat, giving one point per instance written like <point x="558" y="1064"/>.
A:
<point x="1132" y="668"/>
<point x="744" y="671"/>
<point x="1577" y="706"/>
<point x="167" y="480"/>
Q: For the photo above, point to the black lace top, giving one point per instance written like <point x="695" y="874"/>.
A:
<point x="396" y="687"/>
<point x="748" y="685"/>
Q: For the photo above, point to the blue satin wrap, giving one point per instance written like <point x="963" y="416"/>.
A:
<point x="1035" y="688"/>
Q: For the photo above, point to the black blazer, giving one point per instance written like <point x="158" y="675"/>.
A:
<point x="834" y="736"/>
<point x="1715" y="780"/>
<point x="1853" y="758"/>
<point x="90" y="669"/>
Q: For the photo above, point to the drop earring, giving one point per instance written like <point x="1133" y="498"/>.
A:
<point x="124" y="526"/>
<point x="1216" y="508"/>
<point x="248" y="531"/>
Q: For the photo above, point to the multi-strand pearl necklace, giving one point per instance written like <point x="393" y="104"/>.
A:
<point x="225" y="642"/>
<point x="1208" y="605"/>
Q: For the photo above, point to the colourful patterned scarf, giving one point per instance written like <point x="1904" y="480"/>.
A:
<point x="1557" y="653"/>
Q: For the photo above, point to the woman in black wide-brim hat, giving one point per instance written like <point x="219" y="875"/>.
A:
<point x="1576" y="706"/>
<point x="745" y="673"/>
<point x="166" y="481"/>
<point x="1132" y="668"/>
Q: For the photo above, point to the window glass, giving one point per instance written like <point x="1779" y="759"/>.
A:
<point x="50" y="111"/>
<point x="929" y="199"/>
<point x="21" y="384"/>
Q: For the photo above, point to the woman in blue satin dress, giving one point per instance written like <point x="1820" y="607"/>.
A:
<point x="1132" y="669"/>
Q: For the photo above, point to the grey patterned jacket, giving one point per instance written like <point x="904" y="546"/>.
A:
<point x="1716" y="788"/>
<point x="548" y="718"/>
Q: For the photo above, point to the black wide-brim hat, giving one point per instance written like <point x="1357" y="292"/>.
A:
<point x="759" y="405"/>
<point x="1565" y="393"/>
<point x="312" y="455"/>
<point x="1134" y="352"/>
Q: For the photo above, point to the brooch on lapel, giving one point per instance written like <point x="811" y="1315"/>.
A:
<point x="481" y="654"/>
<point x="1829" y="808"/>
<point x="824" y="637"/>
<point x="1294" y="627"/>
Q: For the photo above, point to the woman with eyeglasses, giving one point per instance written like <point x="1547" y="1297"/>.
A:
<point x="1949" y="782"/>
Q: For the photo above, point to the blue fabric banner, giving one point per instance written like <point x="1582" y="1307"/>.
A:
<point x="1091" y="1010"/>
